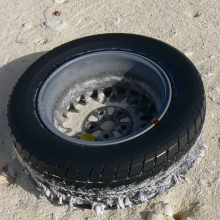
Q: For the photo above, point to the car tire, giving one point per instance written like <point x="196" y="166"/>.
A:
<point x="83" y="169"/>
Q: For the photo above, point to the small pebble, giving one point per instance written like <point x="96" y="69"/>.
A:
<point x="202" y="183"/>
<point x="54" y="216"/>
<point x="59" y="1"/>
<point x="201" y="153"/>
<point x="188" y="53"/>
<point x="55" y="25"/>
<point x="209" y="171"/>
<point x="207" y="74"/>
<point x="196" y="14"/>
<point x="21" y="41"/>
<point x="204" y="146"/>
<point x="197" y="160"/>
<point x="28" y="25"/>
<point x="117" y="21"/>
<point x="212" y="57"/>
<point x="212" y="98"/>
<point x="57" y="13"/>
<point x="22" y="202"/>
<point x="167" y="210"/>
<point x="216" y="89"/>
<point x="213" y="163"/>
<point x="209" y="114"/>
<point x="173" y="33"/>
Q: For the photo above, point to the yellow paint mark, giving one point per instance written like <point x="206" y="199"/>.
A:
<point x="87" y="137"/>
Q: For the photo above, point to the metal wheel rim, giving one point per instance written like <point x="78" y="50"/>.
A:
<point x="97" y="63"/>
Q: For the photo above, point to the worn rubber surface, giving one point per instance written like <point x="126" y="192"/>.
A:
<point x="119" y="164"/>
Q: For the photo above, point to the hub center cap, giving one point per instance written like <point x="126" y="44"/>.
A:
<point x="107" y="123"/>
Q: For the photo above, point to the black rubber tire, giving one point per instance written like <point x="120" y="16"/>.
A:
<point x="119" y="164"/>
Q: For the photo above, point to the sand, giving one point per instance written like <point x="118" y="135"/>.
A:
<point x="29" y="29"/>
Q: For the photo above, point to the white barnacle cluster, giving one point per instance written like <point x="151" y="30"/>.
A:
<point x="142" y="197"/>
<point x="99" y="208"/>
<point x="120" y="202"/>
<point x="60" y="199"/>
<point x="128" y="203"/>
<point x="123" y="198"/>
<point x="123" y="202"/>
<point x="48" y="193"/>
<point x="51" y="194"/>
<point x="72" y="202"/>
<point x="178" y="178"/>
<point x="109" y="202"/>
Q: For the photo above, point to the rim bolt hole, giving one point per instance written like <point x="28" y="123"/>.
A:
<point x="106" y="136"/>
<point x="119" y="113"/>
<point x="91" y="126"/>
<point x="124" y="127"/>
<point x="107" y="92"/>
<point x="101" y="112"/>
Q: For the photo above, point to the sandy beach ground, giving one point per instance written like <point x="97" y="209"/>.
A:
<point x="28" y="29"/>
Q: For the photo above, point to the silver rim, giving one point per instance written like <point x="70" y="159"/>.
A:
<point x="132" y="91"/>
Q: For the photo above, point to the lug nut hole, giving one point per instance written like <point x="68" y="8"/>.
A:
<point x="91" y="126"/>
<point x="101" y="112"/>
<point x="124" y="127"/>
<point x="106" y="136"/>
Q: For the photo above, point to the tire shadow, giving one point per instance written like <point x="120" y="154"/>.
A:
<point x="9" y="75"/>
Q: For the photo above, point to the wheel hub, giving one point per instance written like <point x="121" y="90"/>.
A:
<point x="107" y="123"/>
